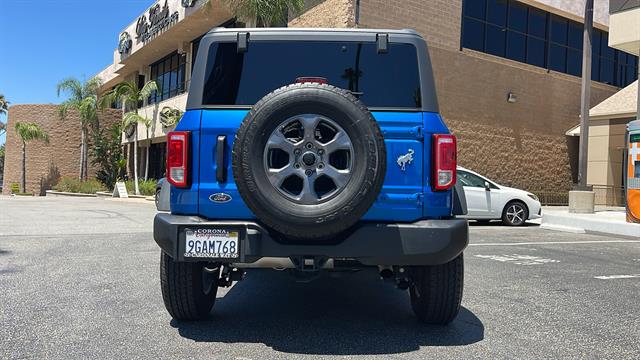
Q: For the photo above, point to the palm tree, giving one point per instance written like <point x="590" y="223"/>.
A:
<point x="131" y="95"/>
<point x="29" y="132"/>
<point x="266" y="12"/>
<point x="4" y="105"/>
<point x="83" y="98"/>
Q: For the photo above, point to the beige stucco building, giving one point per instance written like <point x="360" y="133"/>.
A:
<point x="608" y="120"/>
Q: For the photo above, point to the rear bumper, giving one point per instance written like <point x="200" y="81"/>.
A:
<point x="425" y="242"/>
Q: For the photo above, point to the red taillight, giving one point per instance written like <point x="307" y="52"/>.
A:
<point x="311" y="79"/>
<point x="178" y="158"/>
<point x="444" y="161"/>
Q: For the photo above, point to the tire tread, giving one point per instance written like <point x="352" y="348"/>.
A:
<point x="438" y="295"/>
<point x="182" y="298"/>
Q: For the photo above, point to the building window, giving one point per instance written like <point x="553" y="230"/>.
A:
<point x="511" y="29"/>
<point x="169" y="74"/>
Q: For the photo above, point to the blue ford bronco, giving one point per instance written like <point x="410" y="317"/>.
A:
<point x="312" y="150"/>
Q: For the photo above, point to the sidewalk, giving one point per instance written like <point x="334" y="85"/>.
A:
<point x="606" y="220"/>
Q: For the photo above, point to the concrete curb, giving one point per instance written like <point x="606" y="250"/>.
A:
<point x="588" y="223"/>
<point x="567" y="229"/>
<point x="62" y="193"/>
<point x="108" y="195"/>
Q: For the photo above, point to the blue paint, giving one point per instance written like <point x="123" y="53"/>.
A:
<point x="406" y="195"/>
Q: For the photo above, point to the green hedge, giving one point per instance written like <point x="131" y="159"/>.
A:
<point x="146" y="187"/>
<point x="73" y="185"/>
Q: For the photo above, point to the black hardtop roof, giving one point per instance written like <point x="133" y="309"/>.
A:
<point x="247" y="35"/>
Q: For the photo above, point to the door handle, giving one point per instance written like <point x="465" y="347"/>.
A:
<point x="221" y="169"/>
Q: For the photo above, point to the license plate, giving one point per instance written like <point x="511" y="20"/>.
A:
<point x="211" y="243"/>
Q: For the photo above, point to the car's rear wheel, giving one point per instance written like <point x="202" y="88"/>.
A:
<point x="436" y="291"/>
<point x="188" y="291"/>
<point x="515" y="213"/>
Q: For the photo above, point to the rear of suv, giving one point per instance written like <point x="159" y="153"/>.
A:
<point x="312" y="150"/>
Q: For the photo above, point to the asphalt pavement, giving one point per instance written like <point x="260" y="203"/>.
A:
<point x="79" y="278"/>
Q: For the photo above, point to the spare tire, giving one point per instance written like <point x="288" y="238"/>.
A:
<point x="309" y="160"/>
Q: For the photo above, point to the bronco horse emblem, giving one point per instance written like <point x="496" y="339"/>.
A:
<point x="405" y="159"/>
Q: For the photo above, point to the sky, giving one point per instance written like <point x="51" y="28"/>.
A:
<point x="45" y="41"/>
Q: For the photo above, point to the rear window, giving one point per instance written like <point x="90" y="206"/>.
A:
<point x="379" y="79"/>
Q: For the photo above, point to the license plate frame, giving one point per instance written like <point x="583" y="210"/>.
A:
<point x="218" y="243"/>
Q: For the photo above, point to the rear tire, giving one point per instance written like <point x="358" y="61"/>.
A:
<point x="436" y="291"/>
<point x="157" y="199"/>
<point x="188" y="292"/>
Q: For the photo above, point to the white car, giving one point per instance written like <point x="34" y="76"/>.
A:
<point x="487" y="200"/>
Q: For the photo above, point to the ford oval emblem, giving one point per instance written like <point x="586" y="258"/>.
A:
<point x="220" y="198"/>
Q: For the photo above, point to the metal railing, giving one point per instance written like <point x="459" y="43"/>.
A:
<point x="552" y="198"/>
<point x="608" y="195"/>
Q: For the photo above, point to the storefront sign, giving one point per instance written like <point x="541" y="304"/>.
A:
<point x="160" y="19"/>
<point x="124" y="45"/>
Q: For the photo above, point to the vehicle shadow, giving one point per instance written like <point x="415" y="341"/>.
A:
<point x="355" y="314"/>
<point x="496" y="223"/>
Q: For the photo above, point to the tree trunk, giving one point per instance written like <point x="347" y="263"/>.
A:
<point x="135" y="162"/>
<point x="85" y="162"/>
<point x="24" y="167"/>
<point x="82" y="154"/>
<point x="146" y="162"/>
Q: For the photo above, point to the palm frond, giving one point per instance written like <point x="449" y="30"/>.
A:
<point x="72" y="87"/>
<point x="4" y="104"/>
<point x="64" y="107"/>
<point x="268" y="12"/>
<point x="128" y="92"/>
<point x="92" y="86"/>
<point x="107" y="99"/>
<point x="88" y="110"/>
<point x="131" y="118"/>
<point x="147" y="89"/>
<point x="31" y="131"/>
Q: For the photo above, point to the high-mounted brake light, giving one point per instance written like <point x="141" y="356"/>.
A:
<point x="178" y="158"/>
<point x="444" y="161"/>
<point x="311" y="79"/>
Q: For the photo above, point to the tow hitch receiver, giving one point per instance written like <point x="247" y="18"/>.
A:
<point x="229" y="275"/>
<point x="308" y="263"/>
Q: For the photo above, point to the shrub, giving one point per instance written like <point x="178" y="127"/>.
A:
<point x="73" y="185"/>
<point x="106" y="155"/>
<point x="146" y="187"/>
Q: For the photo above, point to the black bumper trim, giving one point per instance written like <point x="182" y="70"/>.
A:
<point x="425" y="242"/>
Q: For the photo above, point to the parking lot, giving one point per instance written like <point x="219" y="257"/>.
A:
<point x="80" y="278"/>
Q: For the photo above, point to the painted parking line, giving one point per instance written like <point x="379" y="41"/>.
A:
<point x="559" y="242"/>
<point x="612" y="277"/>
<point x="525" y="260"/>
